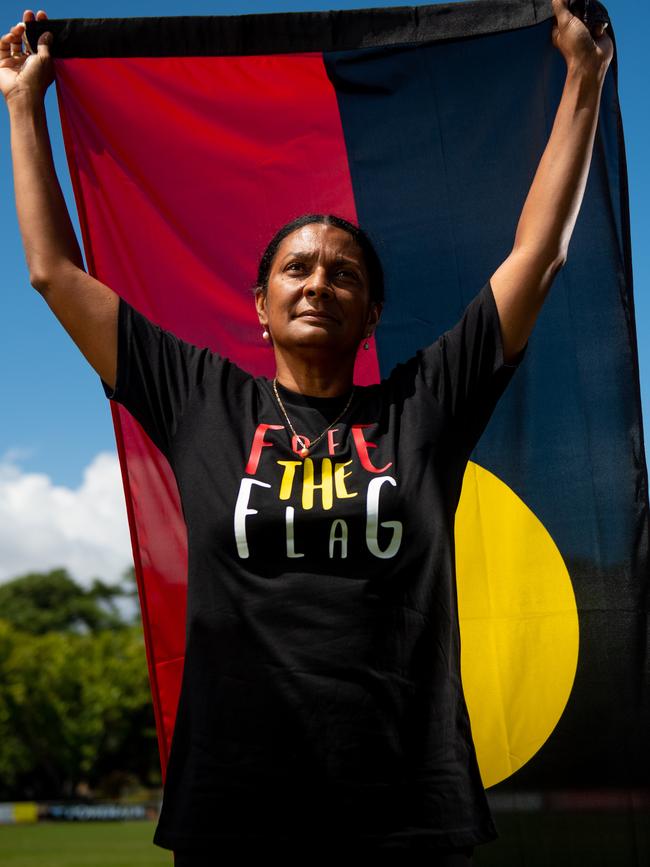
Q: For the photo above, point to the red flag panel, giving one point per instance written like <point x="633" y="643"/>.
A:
<point x="222" y="151"/>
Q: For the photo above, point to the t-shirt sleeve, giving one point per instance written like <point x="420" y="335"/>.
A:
<point x="158" y="374"/>
<point x="465" y="370"/>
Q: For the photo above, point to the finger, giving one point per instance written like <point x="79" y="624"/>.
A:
<point x="43" y="44"/>
<point x="18" y="41"/>
<point x="28" y="15"/>
<point x="18" y="29"/>
<point x="19" y="36"/>
<point x="22" y="29"/>
<point x="562" y="11"/>
<point x="14" y="40"/>
<point x="9" y="42"/>
<point x="14" y="31"/>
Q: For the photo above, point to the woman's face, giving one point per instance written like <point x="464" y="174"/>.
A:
<point x="318" y="294"/>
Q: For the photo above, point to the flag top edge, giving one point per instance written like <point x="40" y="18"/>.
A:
<point x="284" y="32"/>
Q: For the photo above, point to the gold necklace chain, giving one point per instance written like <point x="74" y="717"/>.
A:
<point x="304" y="451"/>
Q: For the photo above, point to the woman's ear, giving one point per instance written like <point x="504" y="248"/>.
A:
<point x="260" y="305"/>
<point x="375" y="314"/>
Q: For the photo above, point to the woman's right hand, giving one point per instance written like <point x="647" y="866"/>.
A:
<point x="20" y="69"/>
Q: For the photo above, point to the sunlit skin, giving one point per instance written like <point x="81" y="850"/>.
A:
<point x="317" y="309"/>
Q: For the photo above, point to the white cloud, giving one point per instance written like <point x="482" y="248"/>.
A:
<point x="44" y="526"/>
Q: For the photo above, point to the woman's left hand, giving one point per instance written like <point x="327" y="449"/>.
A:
<point x="583" y="51"/>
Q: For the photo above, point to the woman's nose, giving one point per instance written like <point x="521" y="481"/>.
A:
<point x="317" y="284"/>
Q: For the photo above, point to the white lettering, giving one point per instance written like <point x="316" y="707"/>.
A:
<point x="372" y="521"/>
<point x="241" y="513"/>
<point x="341" y="538"/>
<point x="291" y="549"/>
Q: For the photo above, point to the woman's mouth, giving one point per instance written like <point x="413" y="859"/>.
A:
<point x="317" y="315"/>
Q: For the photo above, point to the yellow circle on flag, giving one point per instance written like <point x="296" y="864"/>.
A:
<point x="518" y="624"/>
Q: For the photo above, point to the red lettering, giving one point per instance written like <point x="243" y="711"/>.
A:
<point x="296" y="446"/>
<point x="331" y="445"/>
<point x="258" y="445"/>
<point x="362" y="449"/>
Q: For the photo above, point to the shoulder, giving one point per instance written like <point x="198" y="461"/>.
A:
<point x="176" y="341"/>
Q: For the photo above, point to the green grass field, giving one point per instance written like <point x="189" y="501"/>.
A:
<point x="82" y="844"/>
<point x="547" y="840"/>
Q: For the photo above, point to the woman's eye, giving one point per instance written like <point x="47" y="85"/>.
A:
<point x="295" y="266"/>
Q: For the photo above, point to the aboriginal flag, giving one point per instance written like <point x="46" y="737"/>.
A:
<point x="190" y="140"/>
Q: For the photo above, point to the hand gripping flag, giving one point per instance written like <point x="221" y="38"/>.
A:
<point x="190" y="140"/>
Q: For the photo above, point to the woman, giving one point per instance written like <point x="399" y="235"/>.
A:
<point x="321" y="709"/>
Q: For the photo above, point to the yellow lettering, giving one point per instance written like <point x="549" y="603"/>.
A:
<point x="325" y="486"/>
<point x="339" y="481"/>
<point x="287" y="478"/>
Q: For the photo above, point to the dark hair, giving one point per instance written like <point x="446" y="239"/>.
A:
<point x="370" y="257"/>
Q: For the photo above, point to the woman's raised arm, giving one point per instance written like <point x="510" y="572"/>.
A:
<point x="86" y="308"/>
<point x="521" y="283"/>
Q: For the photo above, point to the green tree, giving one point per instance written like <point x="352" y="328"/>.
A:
<point x="41" y="602"/>
<point x="72" y="708"/>
<point x="15" y="755"/>
<point x="75" y="701"/>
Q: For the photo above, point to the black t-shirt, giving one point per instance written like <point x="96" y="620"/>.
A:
<point x="321" y="693"/>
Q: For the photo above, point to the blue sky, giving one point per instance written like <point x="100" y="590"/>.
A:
<point x="55" y="418"/>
